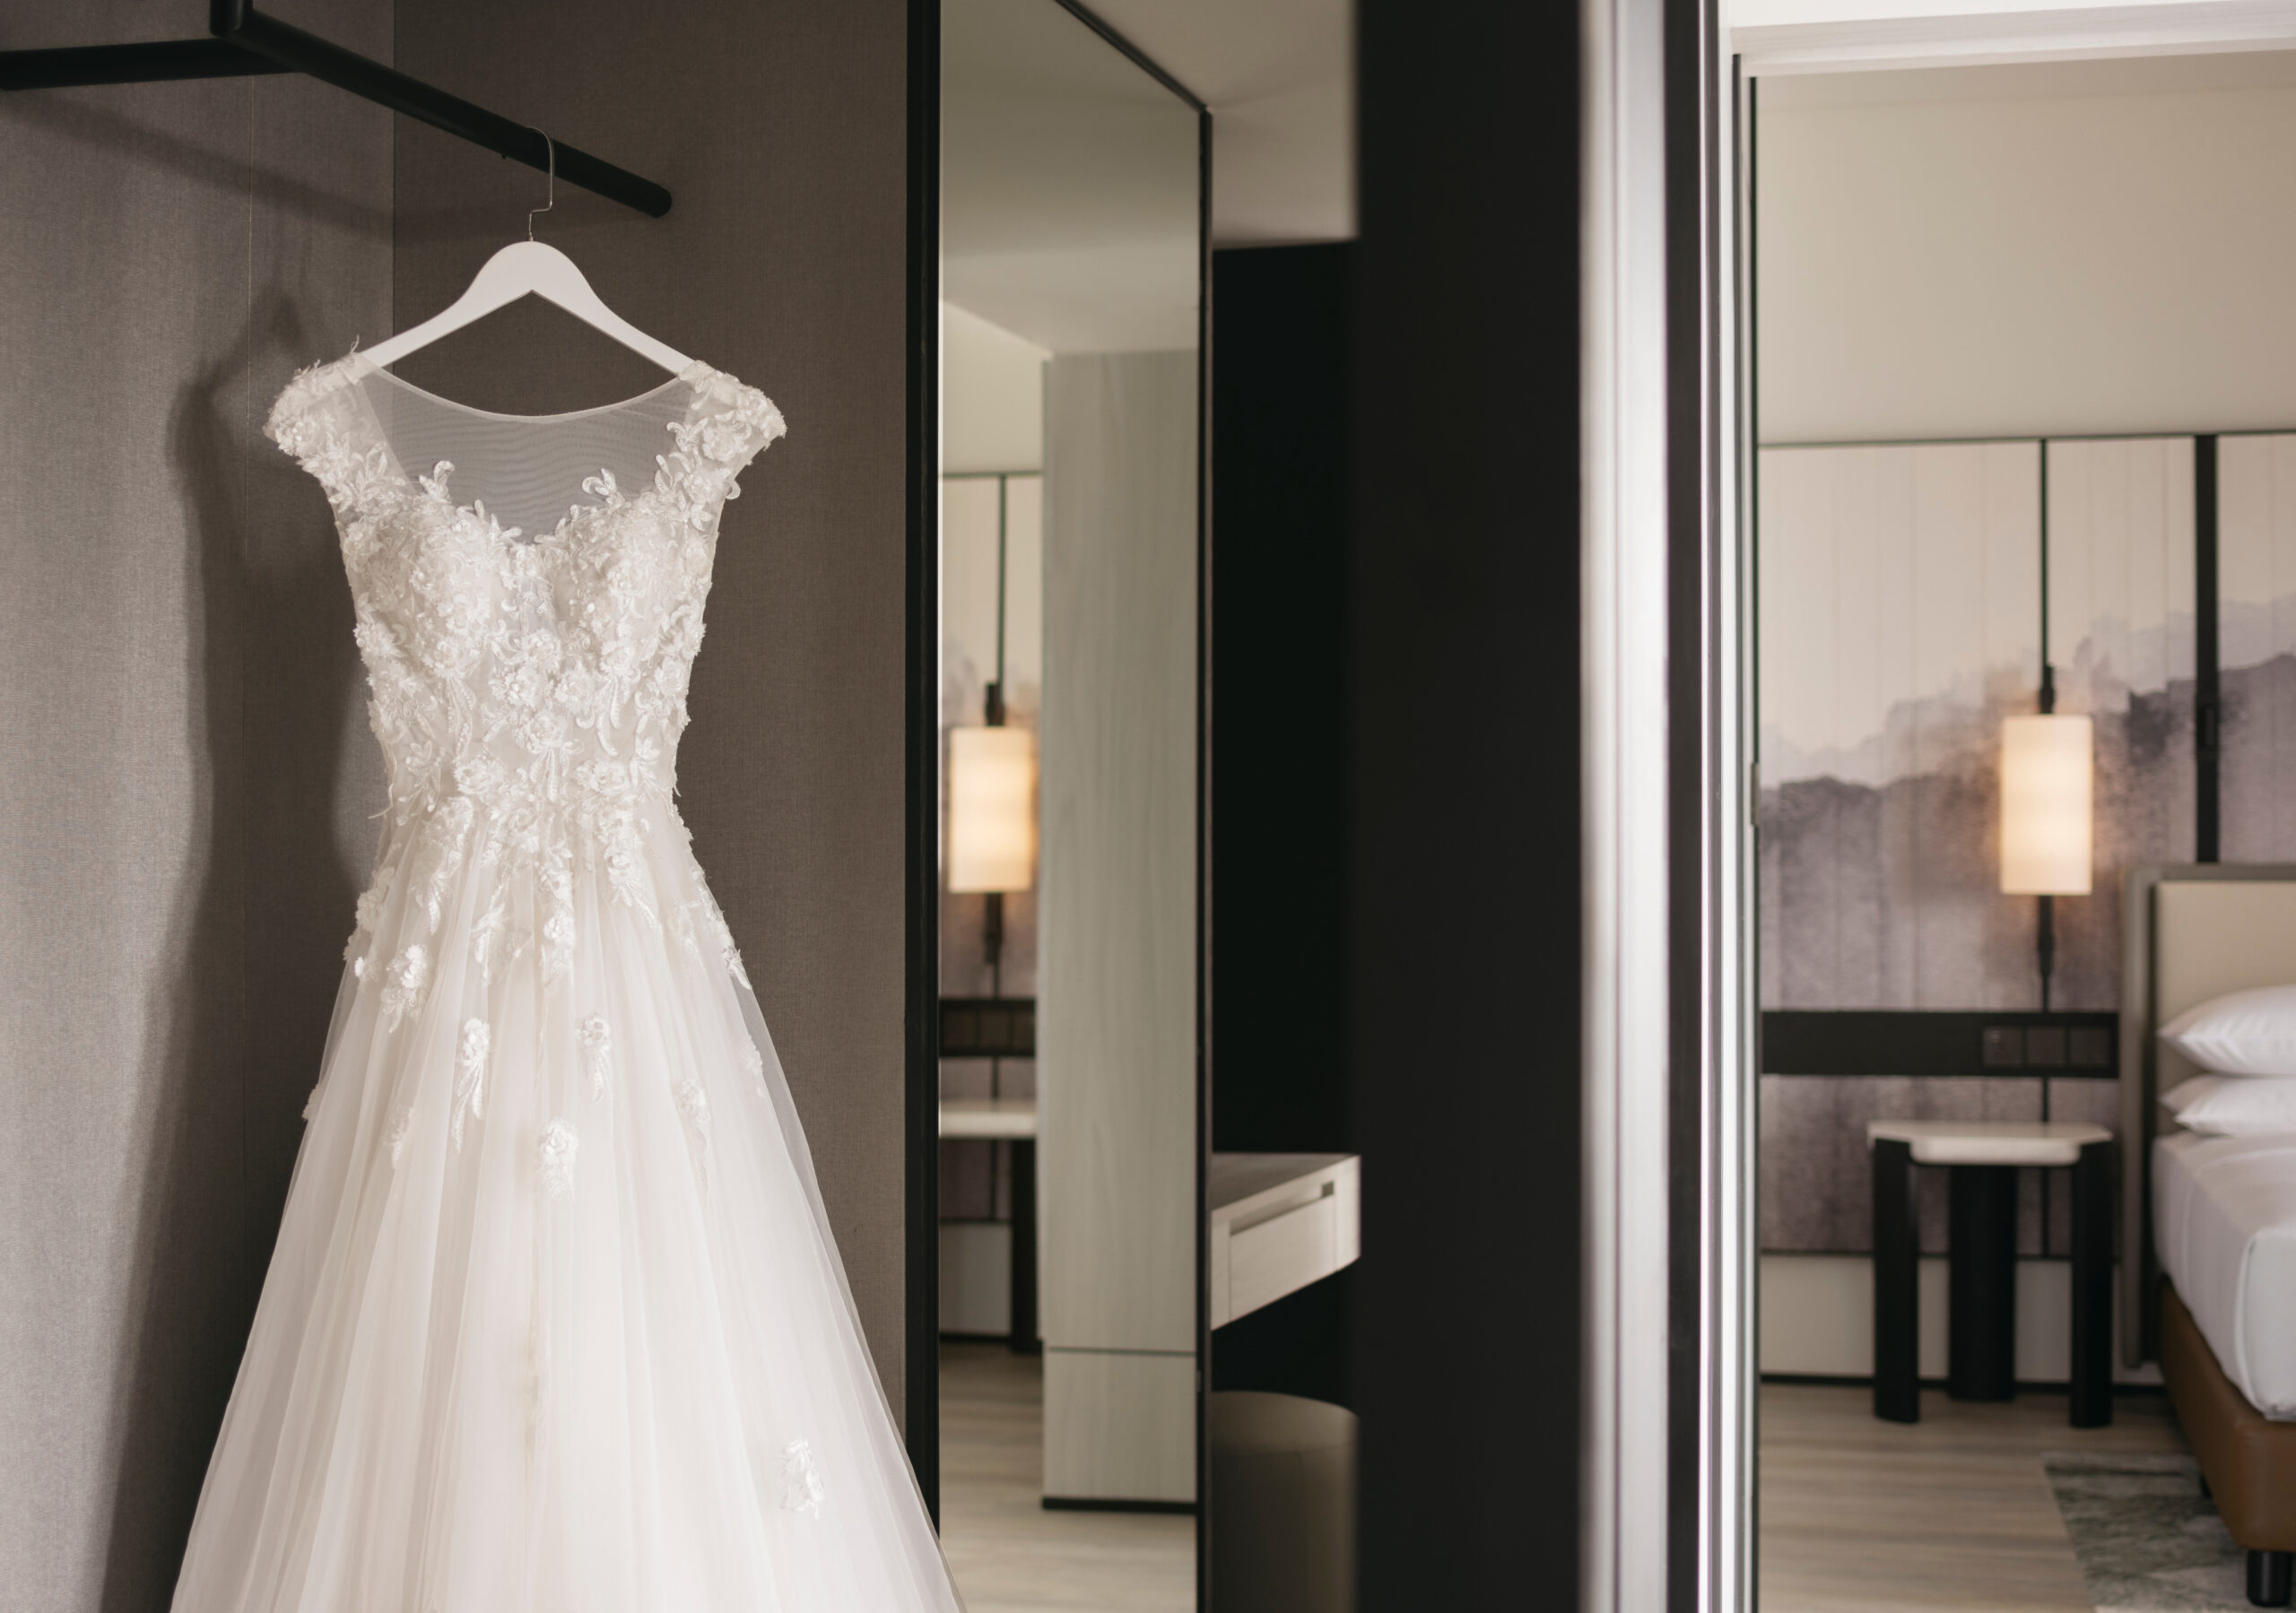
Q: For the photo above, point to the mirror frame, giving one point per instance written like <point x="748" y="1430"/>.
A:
<point x="922" y="754"/>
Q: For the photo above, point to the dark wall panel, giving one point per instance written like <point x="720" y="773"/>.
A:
<point x="1279" y="1002"/>
<point x="1279" y="421"/>
<point x="1463" y="824"/>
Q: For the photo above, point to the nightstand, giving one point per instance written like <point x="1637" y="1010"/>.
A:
<point x="1984" y="1157"/>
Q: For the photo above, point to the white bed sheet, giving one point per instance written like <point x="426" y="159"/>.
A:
<point x="2224" y="1224"/>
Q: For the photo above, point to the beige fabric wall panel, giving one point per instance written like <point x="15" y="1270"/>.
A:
<point x="2066" y="247"/>
<point x="1117" y="960"/>
<point x="779" y="128"/>
<point x="183" y="791"/>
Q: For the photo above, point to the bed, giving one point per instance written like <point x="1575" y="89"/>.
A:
<point x="2208" y="1267"/>
<point x="2224" y="1232"/>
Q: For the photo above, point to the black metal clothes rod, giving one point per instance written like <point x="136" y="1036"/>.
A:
<point x="246" y="43"/>
<point x="152" y="63"/>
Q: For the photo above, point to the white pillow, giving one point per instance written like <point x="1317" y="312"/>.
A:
<point x="2234" y="1106"/>
<point x="2243" y="1033"/>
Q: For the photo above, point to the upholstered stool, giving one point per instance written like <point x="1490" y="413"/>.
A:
<point x="1282" y="1504"/>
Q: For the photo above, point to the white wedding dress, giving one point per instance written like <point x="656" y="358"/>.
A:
<point x="554" y="1323"/>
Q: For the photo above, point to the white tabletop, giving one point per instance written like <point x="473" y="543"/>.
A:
<point x="1008" y="1118"/>
<point x="1238" y="1180"/>
<point x="1989" y="1141"/>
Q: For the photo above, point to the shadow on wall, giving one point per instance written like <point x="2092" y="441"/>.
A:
<point x="270" y="671"/>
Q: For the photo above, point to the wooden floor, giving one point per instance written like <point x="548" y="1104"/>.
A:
<point x="1950" y="1512"/>
<point x="1008" y="1554"/>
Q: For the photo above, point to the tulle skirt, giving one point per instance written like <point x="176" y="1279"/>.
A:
<point x="554" y="1323"/>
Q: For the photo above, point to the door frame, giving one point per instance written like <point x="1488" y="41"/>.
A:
<point x="1715" y="1504"/>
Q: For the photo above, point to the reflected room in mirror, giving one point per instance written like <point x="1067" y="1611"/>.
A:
<point x="1071" y="363"/>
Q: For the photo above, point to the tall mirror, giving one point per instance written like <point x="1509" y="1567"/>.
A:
<point x="1071" y="536"/>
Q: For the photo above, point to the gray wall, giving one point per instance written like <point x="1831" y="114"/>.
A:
<point x="779" y="127"/>
<point x="185" y="771"/>
<point x="185" y="775"/>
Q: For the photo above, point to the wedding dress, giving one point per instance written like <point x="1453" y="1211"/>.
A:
<point x="554" y="1323"/>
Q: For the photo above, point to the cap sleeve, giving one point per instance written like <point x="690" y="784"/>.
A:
<point x="316" y="420"/>
<point x="732" y="426"/>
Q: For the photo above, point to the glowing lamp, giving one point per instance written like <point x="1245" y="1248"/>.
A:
<point x="2047" y="782"/>
<point x="992" y="809"/>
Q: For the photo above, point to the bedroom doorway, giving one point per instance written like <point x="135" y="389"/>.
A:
<point x="2020" y="418"/>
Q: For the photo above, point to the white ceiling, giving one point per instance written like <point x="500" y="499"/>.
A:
<point x="1070" y="212"/>
<point x="1278" y="77"/>
<point x="1069" y="184"/>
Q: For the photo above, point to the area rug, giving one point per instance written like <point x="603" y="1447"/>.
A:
<point x="2147" y="1538"/>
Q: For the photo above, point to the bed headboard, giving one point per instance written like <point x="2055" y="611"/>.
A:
<point x="2191" y="932"/>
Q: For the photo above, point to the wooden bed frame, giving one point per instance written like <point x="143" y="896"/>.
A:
<point x="2191" y="932"/>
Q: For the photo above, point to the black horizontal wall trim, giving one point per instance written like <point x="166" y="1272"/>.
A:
<point x="2077" y="1045"/>
<point x="988" y="1027"/>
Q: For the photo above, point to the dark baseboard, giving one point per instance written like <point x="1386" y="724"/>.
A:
<point x="1076" y="1503"/>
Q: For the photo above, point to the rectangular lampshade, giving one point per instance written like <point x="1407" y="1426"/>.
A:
<point x="2047" y="773"/>
<point x="992" y="809"/>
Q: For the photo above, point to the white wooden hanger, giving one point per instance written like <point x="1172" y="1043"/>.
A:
<point x="521" y="269"/>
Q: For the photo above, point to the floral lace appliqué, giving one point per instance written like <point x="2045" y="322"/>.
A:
<point x="694" y="1109"/>
<point x="403" y="982"/>
<point x="801" y="1490"/>
<point x="554" y="1158"/>
<point x="597" y="1053"/>
<point x="704" y="916"/>
<point x="470" y="1078"/>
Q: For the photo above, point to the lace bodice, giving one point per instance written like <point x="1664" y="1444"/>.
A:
<point x="528" y="687"/>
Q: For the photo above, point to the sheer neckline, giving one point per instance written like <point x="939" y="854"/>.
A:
<point x="360" y="367"/>
<point x="718" y="431"/>
<point x="474" y="515"/>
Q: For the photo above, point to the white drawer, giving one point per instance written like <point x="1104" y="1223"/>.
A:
<point x="1278" y="1223"/>
<point x="1290" y="1249"/>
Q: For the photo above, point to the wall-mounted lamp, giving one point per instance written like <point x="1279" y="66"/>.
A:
<point x="2047" y="773"/>
<point x="992" y="809"/>
<point x="2047" y="836"/>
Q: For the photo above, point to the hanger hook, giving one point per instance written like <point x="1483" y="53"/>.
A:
<point x="550" y="155"/>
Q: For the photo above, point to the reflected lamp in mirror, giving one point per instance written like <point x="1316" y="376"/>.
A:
<point x="2047" y="780"/>
<point x="992" y="809"/>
